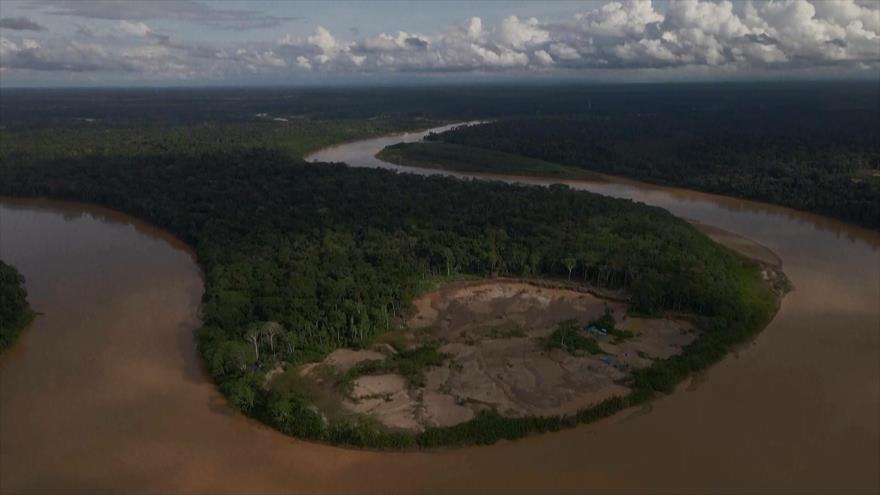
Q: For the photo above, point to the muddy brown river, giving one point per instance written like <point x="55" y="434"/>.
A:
<point x="105" y="392"/>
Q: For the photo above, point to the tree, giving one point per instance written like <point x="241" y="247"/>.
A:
<point x="241" y="393"/>
<point x="253" y="336"/>
<point x="289" y="339"/>
<point x="271" y="329"/>
<point x="569" y="262"/>
<point x="450" y="259"/>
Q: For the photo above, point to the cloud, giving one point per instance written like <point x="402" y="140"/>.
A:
<point x="20" y="24"/>
<point x="616" y="19"/>
<point x="521" y="34"/>
<point x="631" y="34"/>
<point x="74" y="56"/>
<point x="687" y="36"/>
<point x="143" y="10"/>
<point x="129" y="48"/>
<point x="141" y="30"/>
<point x="543" y="57"/>
<point x="390" y="43"/>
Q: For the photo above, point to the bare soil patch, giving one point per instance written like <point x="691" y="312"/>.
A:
<point x="492" y="334"/>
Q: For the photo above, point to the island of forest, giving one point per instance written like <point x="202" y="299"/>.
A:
<point x="383" y="310"/>
<point x="15" y="312"/>
<point x="453" y="157"/>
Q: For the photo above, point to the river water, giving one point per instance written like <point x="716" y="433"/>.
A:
<point x="105" y="392"/>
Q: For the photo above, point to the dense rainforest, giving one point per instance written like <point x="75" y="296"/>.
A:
<point x="807" y="145"/>
<point x="292" y="138"/>
<point x="714" y="103"/>
<point x="826" y="162"/>
<point x="15" y="312"/>
<point x="302" y="258"/>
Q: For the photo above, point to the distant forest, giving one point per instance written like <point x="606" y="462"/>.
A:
<point x="825" y="160"/>
<point x="713" y="104"/>
<point x="808" y="145"/>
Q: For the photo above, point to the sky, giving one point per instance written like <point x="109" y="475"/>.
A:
<point x="49" y="43"/>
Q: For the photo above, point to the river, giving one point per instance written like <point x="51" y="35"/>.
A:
<point x="105" y="392"/>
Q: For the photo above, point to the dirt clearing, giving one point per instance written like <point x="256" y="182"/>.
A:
<point x="492" y="335"/>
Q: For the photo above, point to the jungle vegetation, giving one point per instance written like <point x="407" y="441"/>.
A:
<point x="715" y="103"/>
<point x="822" y="161"/>
<point x="411" y="364"/>
<point x="15" y="312"/>
<point x="294" y="138"/>
<point x="300" y="259"/>
<point x="570" y="337"/>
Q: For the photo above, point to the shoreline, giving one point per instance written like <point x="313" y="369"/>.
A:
<point x="119" y="217"/>
<point x="603" y="409"/>
<point x="604" y="178"/>
<point x="567" y="172"/>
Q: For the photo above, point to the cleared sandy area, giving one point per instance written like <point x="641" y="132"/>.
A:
<point x="492" y="334"/>
<point x="385" y="397"/>
<point x="344" y="359"/>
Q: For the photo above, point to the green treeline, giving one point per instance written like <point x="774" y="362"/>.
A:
<point x="294" y="137"/>
<point x="15" y="312"/>
<point x="300" y="259"/>
<point x="446" y="156"/>
<point x="825" y="161"/>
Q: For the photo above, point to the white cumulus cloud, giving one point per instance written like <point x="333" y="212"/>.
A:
<point x="725" y="36"/>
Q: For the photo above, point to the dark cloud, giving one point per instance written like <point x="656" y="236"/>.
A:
<point x="761" y="39"/>
<point x="20" y="24"/>
<point x="414" y="42"/>
<point x="141" y="10"/>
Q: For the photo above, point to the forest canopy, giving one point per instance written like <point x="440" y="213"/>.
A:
<point x="793" y="159"/>
<point x="15" y="312"/>
<point x="300" y="259"/>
